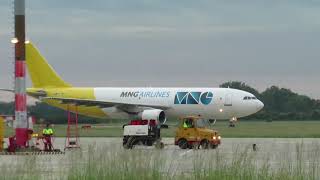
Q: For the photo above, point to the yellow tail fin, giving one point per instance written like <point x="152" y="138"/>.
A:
<point x="41" y="73"/>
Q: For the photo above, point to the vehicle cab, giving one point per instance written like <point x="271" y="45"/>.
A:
<point x="195" y="132"/>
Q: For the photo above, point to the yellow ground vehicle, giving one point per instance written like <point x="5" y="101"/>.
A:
<point x="194" y="132"/>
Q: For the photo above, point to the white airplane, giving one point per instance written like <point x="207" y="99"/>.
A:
<point x="143" y="103"/>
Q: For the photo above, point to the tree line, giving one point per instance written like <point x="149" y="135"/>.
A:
<point x="279" y="104"/>
<point x="46" y="114"/>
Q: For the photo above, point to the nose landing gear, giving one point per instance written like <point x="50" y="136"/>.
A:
<point x="232" y="122"/>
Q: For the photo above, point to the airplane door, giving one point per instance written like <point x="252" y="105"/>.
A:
<point x="228" y="100"/>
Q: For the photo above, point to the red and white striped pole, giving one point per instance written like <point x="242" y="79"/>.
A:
<point x="21" y="120"/>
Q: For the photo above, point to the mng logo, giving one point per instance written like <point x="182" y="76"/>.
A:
<point x="193" y="98"/>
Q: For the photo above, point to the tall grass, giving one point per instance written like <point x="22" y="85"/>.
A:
<point x="101" y="163"/>
<point x="20" y="167"/>
<point x="141" y="164"/>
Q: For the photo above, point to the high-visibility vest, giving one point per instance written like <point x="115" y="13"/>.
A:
<point x="185" y="125"/>
<point x="47" y="131"/>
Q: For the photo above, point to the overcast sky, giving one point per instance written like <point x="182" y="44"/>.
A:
<point x="172" y="43"/>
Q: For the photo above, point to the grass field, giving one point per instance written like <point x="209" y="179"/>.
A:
<point x="114" y="162"/>
<point x="275" y="129"/>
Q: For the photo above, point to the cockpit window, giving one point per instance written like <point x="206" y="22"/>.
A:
<point x="249" y="98"/>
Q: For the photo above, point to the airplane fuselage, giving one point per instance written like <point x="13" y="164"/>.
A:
<point x="211" y="103"/>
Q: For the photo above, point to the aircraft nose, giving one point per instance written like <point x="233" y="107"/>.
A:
<point x="260" y="105"/>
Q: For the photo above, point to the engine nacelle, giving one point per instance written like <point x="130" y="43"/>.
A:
<point x="155" y="114"/>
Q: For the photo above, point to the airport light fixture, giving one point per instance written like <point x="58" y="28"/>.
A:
<point x="14" y="41"/>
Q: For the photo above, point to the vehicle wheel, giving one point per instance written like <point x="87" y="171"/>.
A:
<point x="126" y="146"/>
<point x="183" y="143"/>
<point x="136" y="141"/>
<point x="124" y="141"/>
<point x="149" y="142"/>
<point x="204" y="144"/>
<point x="213" y="146"/>
<point x="129" y="143"/>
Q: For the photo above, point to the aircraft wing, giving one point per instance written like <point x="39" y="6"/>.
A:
<point x="103" y="104"/>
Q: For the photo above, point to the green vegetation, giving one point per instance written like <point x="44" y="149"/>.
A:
<point x="45" y="113"/>
<point x="116" y="163"/>
<point x="281" y="103"/>
<point x="259" y="129"/>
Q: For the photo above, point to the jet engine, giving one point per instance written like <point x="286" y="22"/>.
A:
<point x="156" y="114"/>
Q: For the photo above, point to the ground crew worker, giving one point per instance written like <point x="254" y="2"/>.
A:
<point x="47" y="134"/>
<point x="187" y="123"/>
